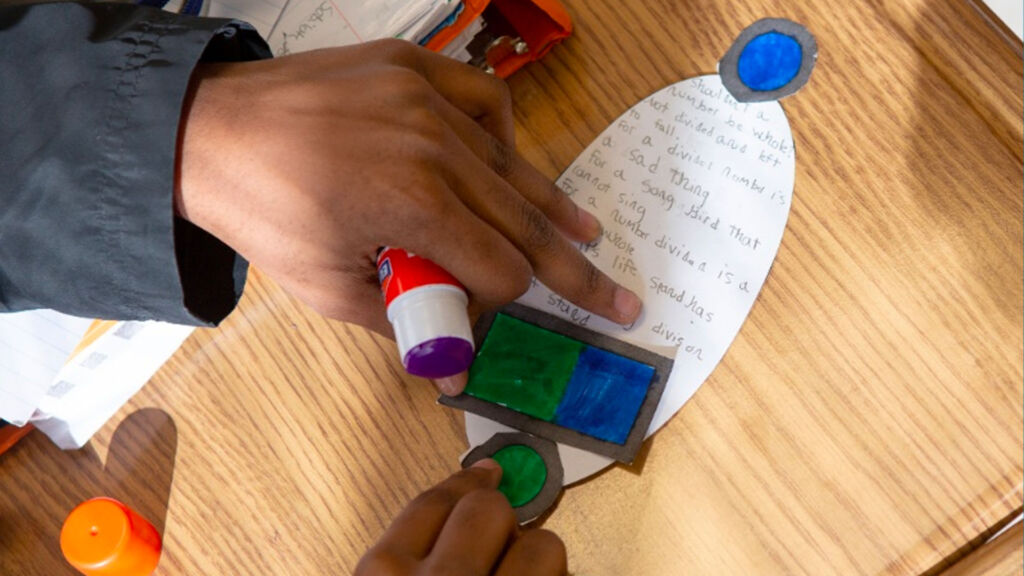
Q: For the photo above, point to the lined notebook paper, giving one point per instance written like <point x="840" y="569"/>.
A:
<point x="33" y="347"/>
<point x="68" y="375"/>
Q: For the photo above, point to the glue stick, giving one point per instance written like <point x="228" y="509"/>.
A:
<point x="427" y="308"/>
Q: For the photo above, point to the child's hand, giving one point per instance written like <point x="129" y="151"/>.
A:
<point x="308" y="163"/>
<point x="463" y="526"/>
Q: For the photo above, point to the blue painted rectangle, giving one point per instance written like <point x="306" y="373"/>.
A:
<point x="604" y="395"/>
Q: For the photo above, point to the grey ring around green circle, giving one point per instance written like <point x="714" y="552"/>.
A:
<point x="523" y="473"/>
<point x="540" y="501"/>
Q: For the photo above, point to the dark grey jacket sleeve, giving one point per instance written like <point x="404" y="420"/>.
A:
<point x="90" y="100"/>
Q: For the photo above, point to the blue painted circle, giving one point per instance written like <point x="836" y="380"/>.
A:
<point x="769" y="61"/>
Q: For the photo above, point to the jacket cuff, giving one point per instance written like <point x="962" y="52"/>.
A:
<point x="95" y="93"/>
<point x="212" y="275"/>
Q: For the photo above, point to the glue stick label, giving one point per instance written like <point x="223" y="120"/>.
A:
<point x="399" y="272"/>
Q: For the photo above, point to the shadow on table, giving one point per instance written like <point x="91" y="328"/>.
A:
<point x="41" y="484"/>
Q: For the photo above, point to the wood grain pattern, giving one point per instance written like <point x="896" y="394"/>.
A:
<point x="867" y="420"/>
<point x="1004" y="556"/>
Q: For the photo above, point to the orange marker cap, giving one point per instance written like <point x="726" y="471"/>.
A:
<point x="103" y="537"/>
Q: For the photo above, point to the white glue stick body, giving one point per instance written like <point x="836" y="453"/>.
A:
<point x="427" y="308"/>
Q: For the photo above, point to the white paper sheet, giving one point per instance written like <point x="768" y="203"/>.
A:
<point x="90" y="388"/>
<point x="70" y="397"/>
<point x="310" y="24"/>
<point x="458" y="47"/>
<point x="437" y="12"/>
<point x="693" y="190"/>
<point x="33" y="347"/>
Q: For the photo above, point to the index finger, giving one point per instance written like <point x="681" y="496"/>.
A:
<point x="414" y="531"/>
<point x="554" y="260"/>
<point x="504" y="190"/>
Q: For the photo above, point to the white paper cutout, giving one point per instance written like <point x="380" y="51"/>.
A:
<point x="693" y="189"/>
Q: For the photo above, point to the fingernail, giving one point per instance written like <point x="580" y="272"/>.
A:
<point x="489" y="463"/>
<point x="627" y="304"/>
<point x="447" y="386"/>
<point x="452" y="385"/>
<point x="491" y="466"/>
<point x="590" y="223"/>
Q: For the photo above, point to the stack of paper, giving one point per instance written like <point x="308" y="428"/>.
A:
<point x="68" y="375"/>
<point x="299" y="25"/>
<point x="311" y="24"/>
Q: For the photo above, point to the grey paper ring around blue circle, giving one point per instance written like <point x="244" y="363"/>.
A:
<point x="771" y="59"/>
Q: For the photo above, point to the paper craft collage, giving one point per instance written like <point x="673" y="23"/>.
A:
<point x="694" y="184"/>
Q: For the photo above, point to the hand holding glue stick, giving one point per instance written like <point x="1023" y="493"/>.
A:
<point x="427" y="308"/>
<point x="377" y="144"/>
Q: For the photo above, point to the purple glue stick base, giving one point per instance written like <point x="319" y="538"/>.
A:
<point x="439" y="358"/>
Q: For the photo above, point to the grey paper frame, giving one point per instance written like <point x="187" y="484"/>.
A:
<point x="624" y="453"/>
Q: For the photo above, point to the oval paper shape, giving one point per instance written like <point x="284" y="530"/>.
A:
<point x="693" y="189"/>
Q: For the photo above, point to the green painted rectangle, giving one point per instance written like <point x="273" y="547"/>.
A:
<point x="523" y="367"/>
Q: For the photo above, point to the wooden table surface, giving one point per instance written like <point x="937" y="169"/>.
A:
<point x="1003" y="555"/>
<point x="867" y="419"/>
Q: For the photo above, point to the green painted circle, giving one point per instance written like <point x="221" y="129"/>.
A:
<point x="523" y="473"/>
